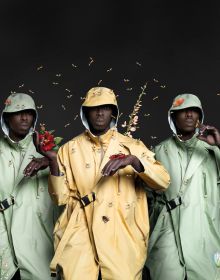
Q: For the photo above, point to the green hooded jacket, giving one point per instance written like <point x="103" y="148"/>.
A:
<point x="184" y="240"/>
<point x="26" y="226"/>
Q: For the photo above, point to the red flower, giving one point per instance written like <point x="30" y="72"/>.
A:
<point x="46" y="141"/>
<point x="117" y="156"/>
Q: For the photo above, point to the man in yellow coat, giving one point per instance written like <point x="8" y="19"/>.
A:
<point x="103" y="231"/>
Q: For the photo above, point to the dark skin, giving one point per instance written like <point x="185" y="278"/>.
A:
<point x="99" y="119"/>
<point x="209" y="134"/>
<point x="19" y="124"/>
<point x="188" y="119"/>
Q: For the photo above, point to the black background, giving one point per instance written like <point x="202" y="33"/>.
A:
<point x="174" y="46"/>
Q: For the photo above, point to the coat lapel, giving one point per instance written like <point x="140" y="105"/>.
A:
<point x="199" y="154"/>
<point x="27" y="158"/>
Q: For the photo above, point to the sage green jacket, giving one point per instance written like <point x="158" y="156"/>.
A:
<point x="26" y="240"/>
<point x="184" y="240"/>
<point x="26" y="227"/>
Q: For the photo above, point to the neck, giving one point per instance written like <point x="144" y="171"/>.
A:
<point x="185" y="135"/>
<point x="98" y="132"/>
<point x="15" y="137"/>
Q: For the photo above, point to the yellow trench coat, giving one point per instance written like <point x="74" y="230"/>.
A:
<point x="111" y="233"/>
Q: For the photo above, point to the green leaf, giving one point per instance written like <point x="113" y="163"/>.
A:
<point x="56" y="148"/>
<point x="57" y="140"/>
<point x="51" y="131"/>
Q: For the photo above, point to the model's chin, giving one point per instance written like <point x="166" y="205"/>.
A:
<point x="24" y="132"/>
<point x="100" y="127"/>
<point x="190" y="129"/>
<point x="100" y="130"/>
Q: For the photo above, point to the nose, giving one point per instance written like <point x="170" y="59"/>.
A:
<point x="189" y="113"/>
<point x="24" y="116"/>
<point x="99" y="111"/>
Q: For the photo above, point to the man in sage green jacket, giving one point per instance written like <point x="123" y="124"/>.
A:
<point x="185" y="220"/>
<point x="26" y="211"/>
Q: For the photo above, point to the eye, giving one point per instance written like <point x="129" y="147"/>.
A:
<point x="107" y="108"/>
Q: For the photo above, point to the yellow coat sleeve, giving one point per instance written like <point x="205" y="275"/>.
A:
<point x="154" y="175"/>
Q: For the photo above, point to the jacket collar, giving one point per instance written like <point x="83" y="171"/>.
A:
<point x="103" y="139"/>
<point x="198" y="155"/>
<point x="20" y="145"/>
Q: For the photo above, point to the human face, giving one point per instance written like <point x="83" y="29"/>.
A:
<point x="99" y="118"/>
<point x="186" y="121"/>
<point x="19" y="124"/>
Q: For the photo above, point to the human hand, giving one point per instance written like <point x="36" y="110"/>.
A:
<point x="50" y="154"/>
<point x="120" y="161"/>
<point x="35" y="165"/>
<point x="209" y="134"/>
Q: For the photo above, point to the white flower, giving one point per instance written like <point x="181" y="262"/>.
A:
<point x="133" y="128"/>
<point x="124" y="124"/>
<point x="217" y="259"/>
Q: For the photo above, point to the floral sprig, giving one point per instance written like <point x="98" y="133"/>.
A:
<point x="133" y="117"/>
<point x="47" y="140"/>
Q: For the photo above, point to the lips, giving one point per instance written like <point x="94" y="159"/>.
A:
<point x="24" y="125"/>
<point x="100" y="121"/>
<point x="190" y="122"/>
